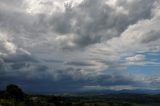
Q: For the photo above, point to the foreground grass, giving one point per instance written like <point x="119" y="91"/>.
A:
<point x="42" y="102"/>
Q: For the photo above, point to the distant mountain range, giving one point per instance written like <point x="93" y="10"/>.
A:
<point x="98" y="92"/>
<point x="103" y="92"/>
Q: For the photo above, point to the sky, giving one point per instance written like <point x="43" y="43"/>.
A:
<point x="80" y="45"/>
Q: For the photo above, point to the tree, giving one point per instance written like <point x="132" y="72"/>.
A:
<point x="15" y="92"/>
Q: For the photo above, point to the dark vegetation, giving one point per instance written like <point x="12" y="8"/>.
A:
<point x="14" y="96"/>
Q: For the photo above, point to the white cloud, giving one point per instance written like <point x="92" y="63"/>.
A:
<point x="136" y="58"/>
<point x="111" y="3"/>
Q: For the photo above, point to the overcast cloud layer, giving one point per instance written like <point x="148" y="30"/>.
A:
<point x="65" y="45"/>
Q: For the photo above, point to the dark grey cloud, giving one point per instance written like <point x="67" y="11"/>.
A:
<point x="35" y="77"/>
<point x="18" y="66"/>
<point x="66" y="82"/>
<point x="89" y="23"/>
<point x="2" y="65"/>
<point x="94" y="22"/>
<point x="16" y="58"/>
<point x="76" y="63"/>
